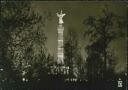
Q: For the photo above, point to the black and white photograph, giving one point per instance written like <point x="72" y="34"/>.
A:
<point x="63" y="45"/>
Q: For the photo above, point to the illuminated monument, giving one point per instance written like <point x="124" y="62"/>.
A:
<point x="60" y="68"/>
<point x="60" y="28"/>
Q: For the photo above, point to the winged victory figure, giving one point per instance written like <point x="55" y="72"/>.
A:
<point x="61" y="15"/>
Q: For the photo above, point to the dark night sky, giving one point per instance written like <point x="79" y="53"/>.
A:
<point x="76" y="12"/>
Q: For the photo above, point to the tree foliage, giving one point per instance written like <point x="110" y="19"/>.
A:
<point x="22" y="40"/>
<point x="101" y="31"/>
<point x="73" y="57"/>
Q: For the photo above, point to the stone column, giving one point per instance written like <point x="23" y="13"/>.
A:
<point x="60" y="52"/>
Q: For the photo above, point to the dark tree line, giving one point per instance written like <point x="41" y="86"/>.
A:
<point x="73" y="57"/>
<point x="101" y="31"/>
<point x="23" y="54"/>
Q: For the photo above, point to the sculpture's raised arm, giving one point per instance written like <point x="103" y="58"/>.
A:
<point x="63" y="14"/>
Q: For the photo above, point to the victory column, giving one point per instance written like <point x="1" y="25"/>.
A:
<point x="60" y="28"/>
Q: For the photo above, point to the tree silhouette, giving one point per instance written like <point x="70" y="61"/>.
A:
<point x="72" y="53"/>
<point x="102" y="31"/>
<point x="94" y="62"/>
<point x="22" y="41"/>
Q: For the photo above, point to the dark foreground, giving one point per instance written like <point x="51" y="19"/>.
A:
<point x="60" y="84"/>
